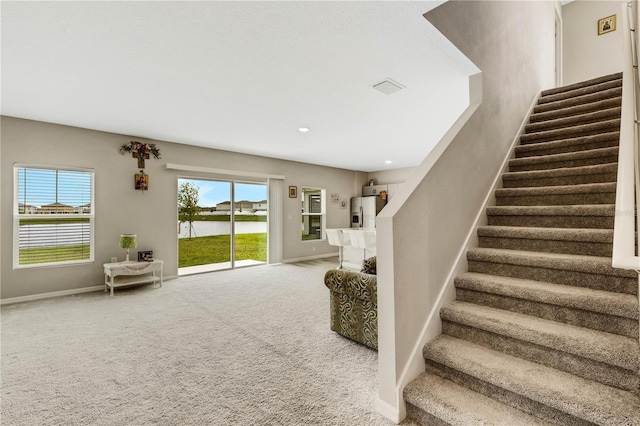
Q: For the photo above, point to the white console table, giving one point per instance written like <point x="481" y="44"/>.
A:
<point x="128" y="273"/>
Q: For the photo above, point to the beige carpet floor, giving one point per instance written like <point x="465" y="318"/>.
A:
<point x="245" y="347"/>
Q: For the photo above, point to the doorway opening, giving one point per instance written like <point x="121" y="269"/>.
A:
<point x="221" y="225"/>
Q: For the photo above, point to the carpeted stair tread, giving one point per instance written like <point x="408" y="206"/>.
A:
<point x="580" y="91"/>
<point x="571" y="262"/>
<point x="578" y="397"/>
<point x="603" y="126"/>
<point x="597" y="173"/>
<point x="608" y="348"/>
<point x="578" y="100"/>
<point x="556" y="234"/>
<point x="581" y="84"/>
<point x="574" y="120"/>
<point x="593" y="193"/>
<point x="599" y="153"/>
<point x="582" y="143"/>
<point x="576" y="110"/>
<point x="605" y="302"/>
<point x="599" y="210"/>
<point x="457" y="405"/>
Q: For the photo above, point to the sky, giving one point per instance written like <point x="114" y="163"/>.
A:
<point x="214" y="192"/>
<point x="40" y="186"/>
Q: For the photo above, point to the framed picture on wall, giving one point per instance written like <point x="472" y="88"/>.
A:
<point x="606" y="25"/>
<point x="293" y="192"/>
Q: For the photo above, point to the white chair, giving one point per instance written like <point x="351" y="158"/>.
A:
<point x="336" y="238"/>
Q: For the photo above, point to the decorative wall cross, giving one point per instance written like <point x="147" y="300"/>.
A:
<point x="141" y="151"/>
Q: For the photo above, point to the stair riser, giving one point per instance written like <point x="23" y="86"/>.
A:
<point x="627" y="327"/>
<point x="563" y="180"/>
<point x="582" y="84"/>
<point x="595" y="89"/>
<point x="562" y="122"/>
<point x="571" y="132"/>
<point x="549" y="246"/>
<point x="581" y="100"/>
<point x="557" y="199"/>
<point x="525" y="166"/>
<point x="535" y="150"/>
<point x="575" y="110"/>
<point x="421" y="417"/>
<point x="596" y="222"/>
<point x="567" y="277"/>
<point x="506" y="397"/>
<point x="579" y="366"/>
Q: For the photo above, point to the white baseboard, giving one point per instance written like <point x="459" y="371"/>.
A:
<point x="390" y="412"/>
<point x="32" y="297"/>
<point x="40" y="296"/>
<point x="317" y="256"/>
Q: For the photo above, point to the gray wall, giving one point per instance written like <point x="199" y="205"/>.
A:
<point x="586" y="54"/>
<point x="152" y="215"/>
<point x="512" y="43"/>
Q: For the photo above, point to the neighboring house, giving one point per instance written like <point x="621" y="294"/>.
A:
<point x="241" y="206"/>
<point x="56" y="208"/>
<point x="260" y="206"/>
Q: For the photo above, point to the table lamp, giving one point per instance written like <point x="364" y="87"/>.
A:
<point x="127" y="241"/>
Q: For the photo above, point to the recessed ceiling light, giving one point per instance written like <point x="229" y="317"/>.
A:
<point x="303" y="129"/>
<point x="388" y="162"/>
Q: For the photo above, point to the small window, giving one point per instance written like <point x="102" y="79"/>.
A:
<point x="53" y="216"/>
<point x="313" y="216"/>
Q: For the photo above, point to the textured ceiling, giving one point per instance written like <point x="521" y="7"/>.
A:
<point x="240" y="76"/>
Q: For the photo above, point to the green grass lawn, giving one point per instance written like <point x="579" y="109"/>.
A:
<point x="216" y="249"/>
<point x="32" y="256"/>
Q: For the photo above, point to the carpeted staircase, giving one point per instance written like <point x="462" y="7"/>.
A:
<point x="543" y="329"/>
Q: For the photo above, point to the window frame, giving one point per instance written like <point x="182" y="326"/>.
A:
<point x="322" y="214"/>
<point x="17" y="216"/>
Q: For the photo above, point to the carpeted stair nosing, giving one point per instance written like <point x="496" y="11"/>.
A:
<point x="457" y="405"/>
<point x="573" y="120"/>
<point x="578" y="100"/>
<point x="581" y="84"/>
<point x="601" y="140"/>
<point x="565" y="392"/>
<point x="594" y="345"/>
<point x="592" y="88"/>
<point x="606" y="210"/>
<point x="603" y="126"/>
<point x="552" y="234"/>
<point x="595" y="154"/>
<point x="598" y="265"/>
<point x="573" y="110"/>
<point x="604" y="302"/>
<point x="587" y="188"/>
<point x="598" y="216"/>
<point x="563" y="171"/>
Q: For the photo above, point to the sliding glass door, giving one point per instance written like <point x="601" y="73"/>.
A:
<point x="221" y="225"/>
<point x="249" y="224"/>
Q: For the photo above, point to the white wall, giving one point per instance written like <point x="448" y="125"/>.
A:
<point x="425" y="228"/>
<point x="586" y="54"/>
<point x="152" y="215"/>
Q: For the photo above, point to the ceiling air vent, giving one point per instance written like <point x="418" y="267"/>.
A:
<point x="388" y="87"/>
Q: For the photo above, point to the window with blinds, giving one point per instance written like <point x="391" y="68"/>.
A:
<point x="53" y="216"/>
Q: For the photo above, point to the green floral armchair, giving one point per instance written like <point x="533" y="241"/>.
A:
<point x="354" y="303"/>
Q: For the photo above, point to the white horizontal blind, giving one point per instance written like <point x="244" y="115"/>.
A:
<point x="53" y="216"/>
